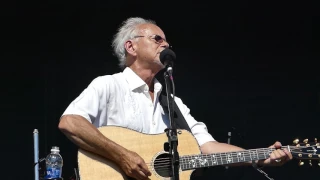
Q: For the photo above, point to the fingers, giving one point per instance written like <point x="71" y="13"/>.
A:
<point x="281" y="154"/>
<point x="277" y="145"/>
<point x="289" y="155"/>
<point x="141" y="170"/>
<point x="279" y="157"/>
<point x="278" y="154"/>
<point x="134" y="166"/>
<point x="140" y="175"/>
<point x="145" y="169"/>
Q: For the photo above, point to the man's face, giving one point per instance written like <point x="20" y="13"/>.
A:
<point x="149" y="45"/>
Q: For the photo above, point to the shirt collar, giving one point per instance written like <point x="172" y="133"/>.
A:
<point x="135" y="81"/>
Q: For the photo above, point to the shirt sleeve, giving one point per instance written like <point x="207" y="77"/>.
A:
<point x="198" y="129"/>
<point x="88" y="103"/>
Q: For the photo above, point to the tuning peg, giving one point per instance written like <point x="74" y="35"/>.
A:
<point x="305" y="141"/>
<point x="315" y="140"/>
<point x="319" y="163"/>
<point x="310" y="163"/>
<point x="296" y="141"/>
<point x="301" y="163"/>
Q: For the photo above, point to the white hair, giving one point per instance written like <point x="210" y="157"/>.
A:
<point x="126" y="31"/>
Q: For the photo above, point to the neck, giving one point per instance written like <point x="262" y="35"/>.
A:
<point x="147" y="75"/>
<point x="208" y="160"/>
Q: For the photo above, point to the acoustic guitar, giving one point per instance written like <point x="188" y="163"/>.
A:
<point x="151" y="149"/>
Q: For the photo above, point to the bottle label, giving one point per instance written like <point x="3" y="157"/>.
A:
<point x="53" y="172"/>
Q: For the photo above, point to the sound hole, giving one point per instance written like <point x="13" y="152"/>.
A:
<point x="162" y="165"/>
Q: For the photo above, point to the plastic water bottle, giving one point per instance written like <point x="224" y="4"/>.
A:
<point x="54" y="163"/>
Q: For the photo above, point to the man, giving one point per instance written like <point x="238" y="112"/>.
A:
<point x="131" y="99"/>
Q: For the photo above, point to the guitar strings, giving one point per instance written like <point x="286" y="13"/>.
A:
<point x="230" y="153"/>
<point x="189" y="158"/>
<point x="165" y="161"/>
<point x="163" y="164"/>
<point x="166" y="166"/>
<point x="263" y="150"/>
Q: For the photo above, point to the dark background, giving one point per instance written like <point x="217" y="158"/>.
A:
<point x="246" y="66"/>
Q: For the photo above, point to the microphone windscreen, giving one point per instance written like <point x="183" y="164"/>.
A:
<point x="167" y="56"/>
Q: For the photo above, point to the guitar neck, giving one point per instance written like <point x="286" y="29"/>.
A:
<point x="207" y="160"/>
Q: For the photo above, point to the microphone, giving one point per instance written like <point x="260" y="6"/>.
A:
<point x="167" y="57"/>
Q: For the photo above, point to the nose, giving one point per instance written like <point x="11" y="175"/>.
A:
<point x="165" y="44"/>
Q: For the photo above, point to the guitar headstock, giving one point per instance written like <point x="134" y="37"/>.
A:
<point x="306" y="151"/>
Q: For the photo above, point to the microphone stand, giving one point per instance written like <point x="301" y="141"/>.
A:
<point x="172" y="131"/>
<point x="36" y="153"/>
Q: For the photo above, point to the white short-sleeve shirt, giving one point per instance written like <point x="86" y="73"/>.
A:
<point x="123" y="99"/>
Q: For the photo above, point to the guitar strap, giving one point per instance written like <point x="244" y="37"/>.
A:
<point x="180" y="121"/>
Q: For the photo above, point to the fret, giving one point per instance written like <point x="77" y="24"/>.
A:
<point x="266" y="153"/>
<point x="186" y="163"/>
<point x="263" y="153"/>
<point x="182" y="162"/>
<point x="196" y="161"/>
<point x="253" y="155"/>
<point x="207" y="160"/>
<point x="249" y="154"/>
<point x="214" y="160"/>
<point x="203" y="161"/>
<point x="192" y="162"/>
<point x="221" y="158"/>
<point x="229" y="158"/>
<point x="241" y="156"/>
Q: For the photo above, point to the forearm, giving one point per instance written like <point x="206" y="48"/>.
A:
<point x="86" y="136"/>
<point x="216" y="147"/>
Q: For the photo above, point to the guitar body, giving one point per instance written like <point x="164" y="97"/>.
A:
<point x="149" y="147"/>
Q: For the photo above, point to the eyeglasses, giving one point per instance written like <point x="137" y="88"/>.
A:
<point x="155" y="37"/>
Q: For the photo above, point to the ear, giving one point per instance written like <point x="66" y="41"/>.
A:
<point x="130" y="47"/>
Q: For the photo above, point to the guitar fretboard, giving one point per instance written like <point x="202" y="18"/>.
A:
<point x="207" y="160"/>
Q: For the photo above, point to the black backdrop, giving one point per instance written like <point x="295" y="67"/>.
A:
<point x="249" y="67"/>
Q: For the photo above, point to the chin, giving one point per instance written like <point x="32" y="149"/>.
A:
<point x="158" y="66"/>
<point x="161" y="66"/>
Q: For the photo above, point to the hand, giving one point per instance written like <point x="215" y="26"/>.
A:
<point x="134" y="166"/>
<point x="278" y="157"/>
